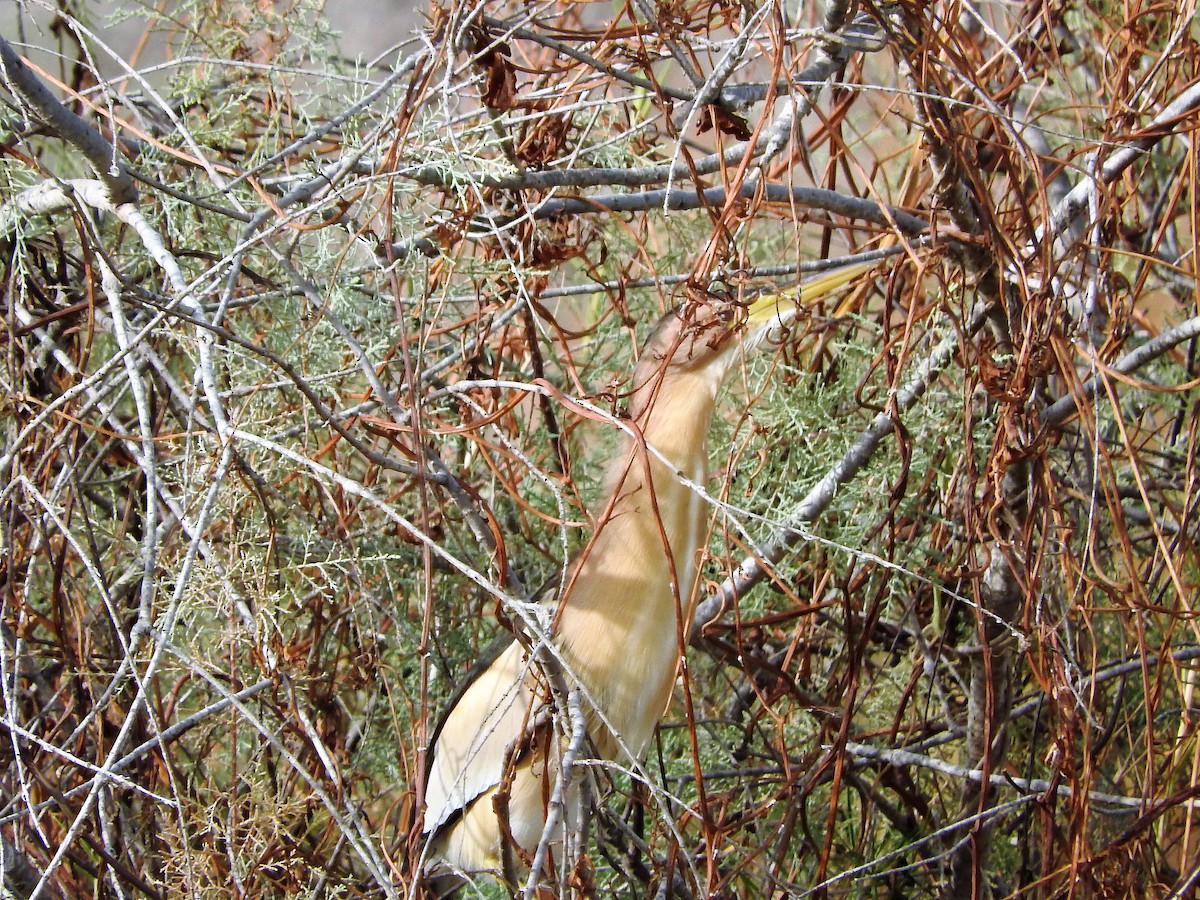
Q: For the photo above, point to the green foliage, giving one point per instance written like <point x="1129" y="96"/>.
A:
<point x="302" y="492"/>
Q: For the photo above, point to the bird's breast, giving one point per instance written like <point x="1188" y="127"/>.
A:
<point x="620" y="622"/>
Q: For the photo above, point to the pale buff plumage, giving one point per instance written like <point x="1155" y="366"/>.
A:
<point x="619" y="617"/>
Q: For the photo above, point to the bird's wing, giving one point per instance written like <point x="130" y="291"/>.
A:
<point x="471" y="747"/>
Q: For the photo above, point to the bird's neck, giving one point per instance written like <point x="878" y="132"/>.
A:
<point x="631" y="591"/>
<point x="677" y="426"/>
<point x="653" y="510"/>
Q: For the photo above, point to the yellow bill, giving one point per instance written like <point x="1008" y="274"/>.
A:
<point x="780" y="308"/>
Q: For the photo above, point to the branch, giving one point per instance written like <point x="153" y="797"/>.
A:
<point x="812" y="77"/>
<point x="68" y="126"/>
<point x="674" y="199"/>
<point x="755" y="568"/>
<point x="902" y="758"/>
<point x="1162" y="125"/>
<point x="51" y="196"/>
<point x="1064" y="407"/>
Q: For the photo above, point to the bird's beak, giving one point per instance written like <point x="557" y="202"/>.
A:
<point x="777" y="310"/>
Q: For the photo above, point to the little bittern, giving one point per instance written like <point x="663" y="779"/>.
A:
<point x="619" y="614"/>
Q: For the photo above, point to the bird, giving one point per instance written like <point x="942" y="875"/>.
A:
<point x="618" y="618"/>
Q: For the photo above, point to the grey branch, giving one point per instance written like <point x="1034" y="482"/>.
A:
<point x="68" y="126"/>
<point x="669" y="198"/>
<point x="755" y="568"/>
<point x="1064" y="407"/>
<point x="902" y="758"/>
<point x="738" y="96"/>
<point x="49" y="197"/>
<point x="1162" y="125"/>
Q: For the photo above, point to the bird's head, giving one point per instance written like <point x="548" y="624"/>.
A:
<point x="692" y="336"/>
<point x="701" y="336"/>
